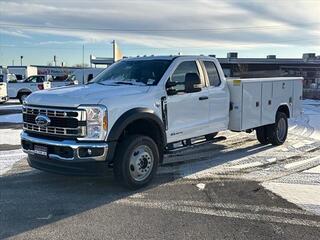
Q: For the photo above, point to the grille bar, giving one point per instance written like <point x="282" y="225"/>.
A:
<point x="53" y="112"/>
<point x="71" y="123"/>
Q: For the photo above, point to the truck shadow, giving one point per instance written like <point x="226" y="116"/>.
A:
<point x="34" y="199"/>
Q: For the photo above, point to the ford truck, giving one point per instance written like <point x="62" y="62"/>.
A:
<point x="139" y="109"/>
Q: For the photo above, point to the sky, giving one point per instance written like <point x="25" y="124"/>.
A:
<point x="40" y="29"/>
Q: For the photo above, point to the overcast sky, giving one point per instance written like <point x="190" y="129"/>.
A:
<point x="39" y="29"/>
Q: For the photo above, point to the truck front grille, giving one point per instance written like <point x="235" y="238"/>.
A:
<point x="63" y="122"/>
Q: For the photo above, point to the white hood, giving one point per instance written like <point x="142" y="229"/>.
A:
<point x="73" y="96"/>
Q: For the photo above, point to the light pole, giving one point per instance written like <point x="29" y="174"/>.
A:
<point x="21" y="57"/>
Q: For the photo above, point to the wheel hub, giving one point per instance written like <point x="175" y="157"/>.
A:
<point x="141" y="163"/>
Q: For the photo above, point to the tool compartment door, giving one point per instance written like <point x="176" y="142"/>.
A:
<point x="268" y="115"/>
<point x="251" y="105"/>
<point x="283" y="93"/>
<point x="297" y="98"/>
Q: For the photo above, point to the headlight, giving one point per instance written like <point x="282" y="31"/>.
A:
<point x="97" y="122"/>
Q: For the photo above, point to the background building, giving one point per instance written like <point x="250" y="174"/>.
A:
<point x="308" y="67"/>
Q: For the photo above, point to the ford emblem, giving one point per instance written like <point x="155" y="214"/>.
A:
<point x="42" y="120"/>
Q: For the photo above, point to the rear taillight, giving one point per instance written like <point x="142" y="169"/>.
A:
<point x="40" y="86"/>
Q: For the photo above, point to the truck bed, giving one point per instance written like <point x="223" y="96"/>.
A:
<point x="255" y="101"/>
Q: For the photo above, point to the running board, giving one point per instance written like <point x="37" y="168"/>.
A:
<point x="186" y="144"/>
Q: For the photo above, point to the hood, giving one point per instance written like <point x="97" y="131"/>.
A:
<point x="73" y="96"/>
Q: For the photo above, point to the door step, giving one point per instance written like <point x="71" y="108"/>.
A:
<point x="188" y="143"/>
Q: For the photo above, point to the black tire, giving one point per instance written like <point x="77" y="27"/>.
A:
<point x="211" y="136"/>
<point x="277" y="132"/>
<point x="262" y="135"/>
<point x="124" y="170"/>
<point x="22" y="96"/>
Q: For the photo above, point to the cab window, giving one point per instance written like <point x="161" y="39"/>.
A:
<point x="40" y="79"/>
<point x="181" y="71"/>
<point x="32" y="79"/>
<point x="213" y="75"/>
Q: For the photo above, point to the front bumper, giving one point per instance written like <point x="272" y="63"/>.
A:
<point x="66" y="150"/>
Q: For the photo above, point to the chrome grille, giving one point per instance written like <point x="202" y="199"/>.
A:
<point x="64" y="122"/>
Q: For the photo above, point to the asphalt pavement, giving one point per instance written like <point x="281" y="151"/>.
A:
<point x="211" y="191"/>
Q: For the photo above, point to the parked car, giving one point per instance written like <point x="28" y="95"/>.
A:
<point x="141" y="108"/>
<point x="31" y="84"/>
<point x="60" y="81"/>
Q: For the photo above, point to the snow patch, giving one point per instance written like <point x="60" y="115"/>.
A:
<point x="201" y="186"/>
<point x="10" y="136"/>
<point x="9" y="158"/>
<point x="301" y="194"/>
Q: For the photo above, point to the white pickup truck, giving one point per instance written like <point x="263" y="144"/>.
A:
<point x="31" y="84"/>
<point x="138" y="109"/>
<point x="4" y="79"/>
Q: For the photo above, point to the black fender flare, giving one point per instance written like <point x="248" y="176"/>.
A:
<point x="129" y="117"/>
<point x="23" y="90"/>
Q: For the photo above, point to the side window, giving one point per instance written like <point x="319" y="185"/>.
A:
<point x="181" y="71"/>
<point x="213" y="74"/>
<point x="40" y="79"/>
<point x="31" y="79"/>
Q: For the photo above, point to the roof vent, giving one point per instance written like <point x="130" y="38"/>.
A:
<point x="307" y="56"/>
<point x="271" y="57"/>
<point x="232" y="55"/>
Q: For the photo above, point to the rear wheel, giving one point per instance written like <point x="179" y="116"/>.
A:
<point x="211" y="136"/>
<point x="262" y="135"/>
<point x="277" y="132"/>
<point x="136" y="161"/>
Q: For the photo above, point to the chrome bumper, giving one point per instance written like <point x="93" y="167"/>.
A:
<point x="75" y="146"/>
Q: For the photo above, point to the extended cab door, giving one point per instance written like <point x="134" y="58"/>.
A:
<point x="187" y="113"/>
<point x="218" y="97"/>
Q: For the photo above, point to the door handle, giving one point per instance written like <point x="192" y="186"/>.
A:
<point x="203" y="98"/>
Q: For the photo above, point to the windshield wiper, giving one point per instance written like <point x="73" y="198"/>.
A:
<point x="124" y="82"/>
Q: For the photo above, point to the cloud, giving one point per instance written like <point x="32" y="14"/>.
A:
<point x="15" y="33"/>
<point x="169" y="24"/>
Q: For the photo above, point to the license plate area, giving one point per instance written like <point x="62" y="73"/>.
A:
<point x="40" y="150"/>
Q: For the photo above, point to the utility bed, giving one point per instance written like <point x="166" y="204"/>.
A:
<point x="255" y="101"/>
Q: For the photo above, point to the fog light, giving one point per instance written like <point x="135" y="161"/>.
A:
<point x="90" y="152"/>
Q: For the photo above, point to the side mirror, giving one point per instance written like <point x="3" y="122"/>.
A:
<point x="192" y="83"/>
<point x="170" y="88"/>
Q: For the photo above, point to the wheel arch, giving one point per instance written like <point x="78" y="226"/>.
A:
<point x="24" y="90"/>
<point x="137" y="121"/>
<point x="284" y="108"/>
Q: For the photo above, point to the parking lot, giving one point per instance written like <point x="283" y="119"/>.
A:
<point x="232" y="188"/>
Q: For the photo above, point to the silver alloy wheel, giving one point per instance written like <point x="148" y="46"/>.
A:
<point x="281" y="129"/>
<point x="141" y="163"/>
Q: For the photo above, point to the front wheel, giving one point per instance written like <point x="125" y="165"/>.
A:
<point x="136" y="161"/>
<point x="22" y="97"/>
<point x="277" y="132"/>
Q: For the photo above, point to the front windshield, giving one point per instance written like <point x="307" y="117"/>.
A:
<point x="134" y="72"/>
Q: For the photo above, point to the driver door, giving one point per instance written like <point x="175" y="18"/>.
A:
<point x="187" y="113"/>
